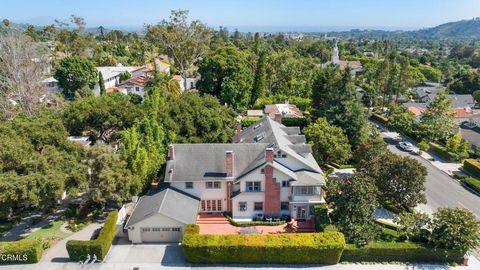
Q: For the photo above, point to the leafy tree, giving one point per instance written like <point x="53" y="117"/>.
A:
<point x="197" y="119"/>
<point x="455" y="228"/>
<point x="38" y="163"/>
<point x="329" y="143"/>
<point x="225" y="74"/>
<point x="413" y="225"/>
<point x="144" y="144"/>
<point x="185" y="42"/>
<point x="401" y="180"/>
<point x="456" y="145"/>
<point x="334" y="97"/>
<point x="401" y="119"/>
<point x="432" y="74"/>
<point x="110" y="178"/>
<point x="102" y="116"/>
<point x="437" y="122"/>
<point x="163" y="82"/>
<point x="259" y="82"/>
<point x="369" y="154"/>
<point x="75" y="72"/>
<point x="124" y="76"/>
<point x="353" y="204"/>
<point x="101" y="83"/>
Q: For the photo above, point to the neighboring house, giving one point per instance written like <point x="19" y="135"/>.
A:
<point x="52" y="85"/>
<point x="254" y="113"/>
<point x="111" y="76"/>
<point x="162" y="216"/>
<point x="342" y="174"/>
<point x="286" y="110"/>
<point x="191" y="82"/>
<point x="269" y="171"/>
<point x="135" y="85"/>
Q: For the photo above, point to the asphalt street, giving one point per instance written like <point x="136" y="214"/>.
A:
<point x="441" y="189"/>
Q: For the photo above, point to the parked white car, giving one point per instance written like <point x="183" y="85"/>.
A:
<point x="406" y="146"/>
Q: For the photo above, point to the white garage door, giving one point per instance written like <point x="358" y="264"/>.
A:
<point x="161" y="234"/>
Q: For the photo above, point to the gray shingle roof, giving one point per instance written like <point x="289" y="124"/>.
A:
<point x="168" y="202"/>
<point x="196" y="162"/>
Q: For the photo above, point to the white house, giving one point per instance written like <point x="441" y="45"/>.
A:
<point x="269" y="171"/>
<point x="191" y="82"/>
<point x="135" y="85"/>
<point x="111" y="76"/>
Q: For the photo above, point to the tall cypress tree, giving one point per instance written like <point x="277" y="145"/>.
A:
<point x="101" y="83"/>
<point x="260" y="80"/>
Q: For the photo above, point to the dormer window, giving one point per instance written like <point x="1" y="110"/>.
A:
<point x="259" y="137"/>
<point x="257" y="126"/>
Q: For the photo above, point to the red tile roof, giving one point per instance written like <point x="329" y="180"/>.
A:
<point x="139" y="80"/>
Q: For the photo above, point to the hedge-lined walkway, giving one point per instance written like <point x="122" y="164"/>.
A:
<point x="58" y="253"/>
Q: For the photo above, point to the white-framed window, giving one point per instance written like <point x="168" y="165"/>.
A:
<point x="306" y="190"/>
<point x="188" y="185"/>
<point x="242" y="206"/>
<point x="258" y="206"/>
<point x="213" y="185"/>
<point x="253" y="186"/>
<point x="145" y="229"/>
<point x="285" y="183"/>
<point x="211" y="206"/>
<point x="137" y="89"/>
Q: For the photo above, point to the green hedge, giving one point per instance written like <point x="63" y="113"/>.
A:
<point x="294" y="122"/>
<point x="253" y="223"/>
<point x="380" y="118"/>
<point x="442" y="152"/>
<point x="78" y="250"/>
<point x="305" y="248"/>
<point x="21" y="252"/>
<point x="248" y="121"/>
<point x="472" y="183"/>
<point x="399" y="252"/>
<point x="321" y="217"/>
<point x="472" y="166"/>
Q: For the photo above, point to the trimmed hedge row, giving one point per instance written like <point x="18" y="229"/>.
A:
<point x="321" y="217"/>
<point x="380" y="118"/>
<point x="253" y="223"/>
<point x="78" y="250"/>
<point x="399" y="252"/>
<point x="305" y="248"/>
<point x="294" y="122"/>
<point x="248" y="121"/>
<point x="472" y="166"/>
<point x="21" y="252"/>
<point x="442" y="152"/>
<point x="472" y="183"/>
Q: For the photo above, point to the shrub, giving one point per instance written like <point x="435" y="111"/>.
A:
<point x="294" y="122"/>
<point x="306" y="248"/>
<point x="321" y="217"/>
<point x="473" y="183"/>
<point x="21" y="252"/>
<point x="380" y="118"/>
<point x="443" y="153"/>
<point x="78" y="250"/>
<point x="399" y="252"/>
<point x="423" y="146"/>
<point x="248" y="121"/>
<point x="472" y="166"/>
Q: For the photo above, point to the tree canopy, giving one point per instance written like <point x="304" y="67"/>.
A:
<point x="74" y="73"/>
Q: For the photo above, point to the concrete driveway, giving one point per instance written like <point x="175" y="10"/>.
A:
<point x="123" y="252"/>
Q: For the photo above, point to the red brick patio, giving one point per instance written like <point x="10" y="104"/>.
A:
<point x="218" y="224"/>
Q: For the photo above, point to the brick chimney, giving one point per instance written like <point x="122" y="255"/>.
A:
<point x="229" y="163"/>
<point x="269" y="154"/>
<point x="278" y="118"/>
<point x="239" y="130"/>
<point x="171" y="152"/>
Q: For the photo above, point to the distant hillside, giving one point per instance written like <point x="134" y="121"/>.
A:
<point x="465" y="29"/>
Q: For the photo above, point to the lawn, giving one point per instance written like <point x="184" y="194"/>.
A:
<point x="50" y="231"/>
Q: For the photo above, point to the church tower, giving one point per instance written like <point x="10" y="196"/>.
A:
<point x="335" y="57"/>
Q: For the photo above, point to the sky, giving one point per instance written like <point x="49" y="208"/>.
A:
<point x="395" y="14"/>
